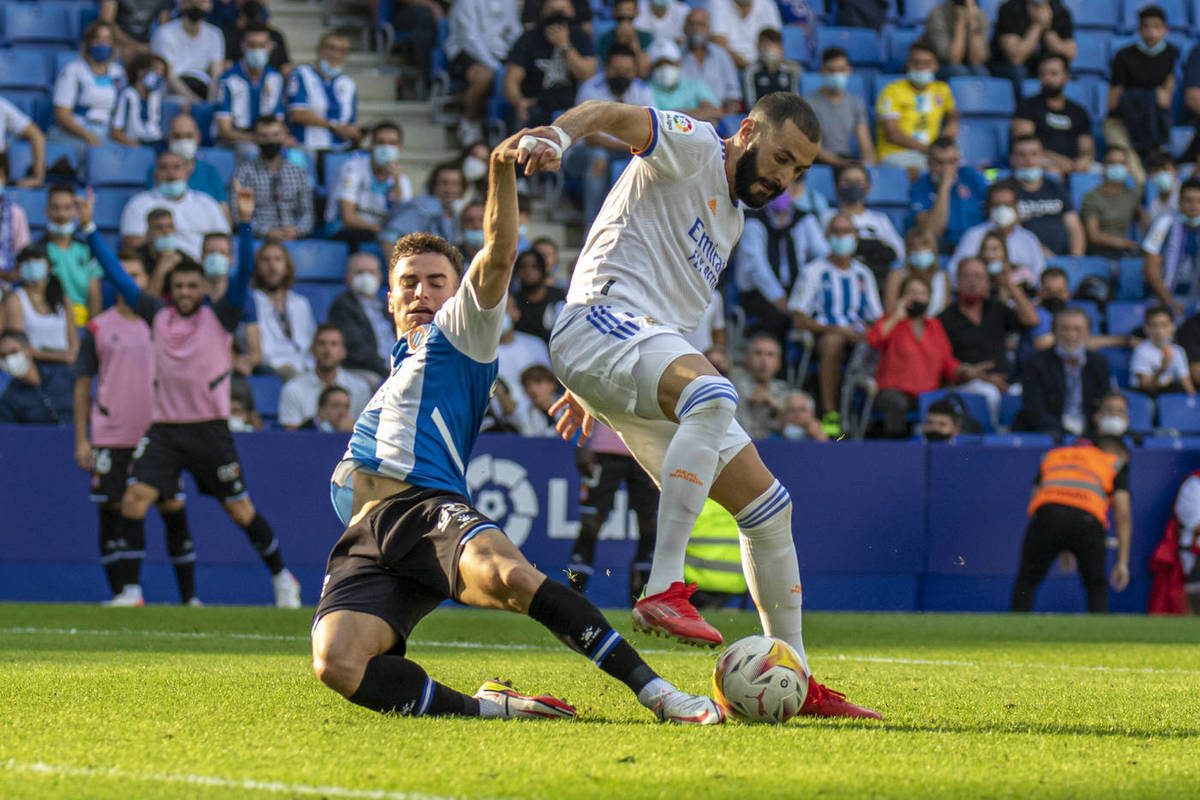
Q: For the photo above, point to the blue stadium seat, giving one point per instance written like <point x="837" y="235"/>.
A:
<point x="1086" y="90"/>
<point x="1030" y="87"/>
<point x="218" y="158"/>
<point x="203" y="114"/>
<point x="1098" y="14"/>
<point x="320" y="296"/>
<point x="728" y="125"/>
<point x="1092" y="311"/>
<point x="979" y="142"/>
<point x="1181" y="137"/>
<point x="880" y="82"/>
<point x="889" y="186"/>
<point x="332" y="163"/>
<point x="1080" y="267"/>
<point x="1040" y="441"/>
<point x="1178" y="412"/>
<point x="975" y="404"/>
<point x="1081" y="184"/>
<point x="896" y="44"/>
<point x="33" y="102"/>
<point x="1010" y="404"/>
<point x="860" y="44"/>
<point x="118" y="165"/>
<point x="110" y="202"/>
<point x="62" y="58"/>
<point x="1118" y="363"/>
<point x="857" y="85"/>
<point x="1122" y="317"/>
<point x="1131" y="284"/>
<point x="37" y="22"/>
<point x="79" y="14"/>
<point x="1141" y="411"/>
<point x="983" y="97"/>
<point x="599" y="28"/>
<point x="820" y="179"/>
<point x="33" y="201"/>
<point x="615" y="167"/>
<point x="23" y="70"/>
<point x="916" y="12"/>
<point x="1093" y="55"/>
<point x="319" y="259"/>
<point x="266" y="389"/>
<point x="795" y="44"/>
<point x="49" y="51"/>
<point x="1172" y="443"/>
<point x="1177" y="14"/>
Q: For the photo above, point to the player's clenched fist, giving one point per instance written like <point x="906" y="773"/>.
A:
<point x="540" y="148"/>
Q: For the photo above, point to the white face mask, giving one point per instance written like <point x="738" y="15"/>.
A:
<point x="474" y="169"/>
<point x="666" y="76"/>
<point x="793" y="432"/>
<point x="365" y="284"/>
<point x="239" y="425"/>
<point x="16" y="364"/>
<point x="184" y="148"/>
<point x="1004" y="216"/>
<point x="1112" y="425"/>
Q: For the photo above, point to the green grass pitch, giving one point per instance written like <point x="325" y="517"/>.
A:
<point x="220" y="702"/>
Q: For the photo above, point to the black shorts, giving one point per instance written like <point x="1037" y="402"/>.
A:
<point x="204" y="449"/>
<point x="400" y="561"/>
<point x="110" y="475"/>
<point x="459" y="65"/>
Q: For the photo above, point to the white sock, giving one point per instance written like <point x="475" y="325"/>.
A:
<point x="650" y="693"/>
<point x="769" y="561"/>
<point x="705" y="410"/>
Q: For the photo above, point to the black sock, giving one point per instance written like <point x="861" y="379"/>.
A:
<point x="181" y="551"/>
<point x="264" y="541"/>
<point x="393" y="683"/>
<point x="110" y="556"/>
<point x="131" y="539"/>
<point x="580" y="626"/>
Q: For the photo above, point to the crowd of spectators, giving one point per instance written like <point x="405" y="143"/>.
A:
<point x="1027" y="282"/>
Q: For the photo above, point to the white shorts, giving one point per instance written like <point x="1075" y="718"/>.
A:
<point x="611" y="360"/>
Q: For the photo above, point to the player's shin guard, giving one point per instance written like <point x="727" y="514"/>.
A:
<point x="580" y="626"/>
<point x="769" y="561"/>
<point x="182" y="552"/>
<point x="265" y="543"/>
<point x="131" y="541"/>
<point x="705" y="410"/>
<point x="393" y="683"/>
<point x="110" y="554"/>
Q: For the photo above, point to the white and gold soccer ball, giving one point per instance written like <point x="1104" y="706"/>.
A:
<point x="760" y="679"/>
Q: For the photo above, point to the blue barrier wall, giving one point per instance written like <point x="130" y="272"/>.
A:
<point x="879" y="525"/>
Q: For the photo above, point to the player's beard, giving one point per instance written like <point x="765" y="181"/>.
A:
<point x="745" y="174"/>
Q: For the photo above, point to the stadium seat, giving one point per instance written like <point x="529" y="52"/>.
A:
<point x="1080" y="267"/>
<point x="599" y="28"/>
<point x="1177" y="14"/>
<point x="857" y="85"/>
<point x="1093" y="53"/>
<point x="1040" y="441"/>
<point x="1178" y="412"/>
<point x="37" y="22"/>
<point x="266" y="389"/>
<point x="33" y="201"/>
<point x="320" y="296"/>
<point x="975" y="404"/>
<point x="110" y="202"/>
<point x="319" y="259"/>
<point x="889" y="186"/>
<point x="983" y="97"/>
<point x="218" y="158"/>
<point x="1091" y="309"/>
<point x="23" y="70"/>
<point x="1081" y="184"/>
<point x="1122" y="317"/>
<point x="1084" y="92"/>
<point x="896" y="44"/>
<point x="916" y="12"/>
<point x="820" y="179"/>
<point x="1131" y="283"/>
<point x="1118" y="363"/>
<point x="1102" y="15"/>
<point x="860" y="44"/>
<point x="1010" y="404"/>
<point x="880" y="82"/>
<point x="203" y="114"/>
<point x="1181" y="137"/>
<point x="615" y="167"/>
<point x="1172" y="443"/>
<point x="1141" y="411"/>
<point x="118" y="165"/>
<point x="979" y="142"/>
<point x="795" y="44"/>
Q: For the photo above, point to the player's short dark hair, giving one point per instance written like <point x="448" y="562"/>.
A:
<point x="1053" y="272"/>
<point x="158" y="213"/>
<point x="535" y="373"/>
<point x="922" y="46"/>
<point x="777" y="108"/>
<point x="946" y="408"/>
<point x="255" y="27"/>
<point x="1152" y="12"/>
<point x="1022" y="139"/>
<point x="772" y="35"/>
<point x="1156" y="311"/>
<point x="387" y="125"/>
<point x="59" y="188"/>
<point x="1190" y="185"/>
<point x="184" y="266"/>
<point x="17" y="335"/>
<point x="328" y="392"/>
<point x="619" y="49"/>
<point x="1068" y="312"/>
<point x="263" y="120"/>
<point x="833" y="53"/>
<point x="415" y="244"/>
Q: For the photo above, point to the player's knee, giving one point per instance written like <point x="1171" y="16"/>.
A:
<point x="241" y="511"/>
<point x="338" y="666"/>
<point x="171" y="506"/>
<point x="136" y="501"/>
<point x="710" y="396"/>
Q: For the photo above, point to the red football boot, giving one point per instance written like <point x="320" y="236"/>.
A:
<point x="670" y="613"/>
<point x="823" y="702"/>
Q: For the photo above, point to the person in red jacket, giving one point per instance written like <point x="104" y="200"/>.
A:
<point x="915" y="356"/>
<point x="1176" y="561"/>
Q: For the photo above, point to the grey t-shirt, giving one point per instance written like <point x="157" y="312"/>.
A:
<point x="1115" y="212"/>
<point x="838" y="120"/>
<point x="939" y="28"/>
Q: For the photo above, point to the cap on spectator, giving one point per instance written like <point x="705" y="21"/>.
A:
<point x="664" y="50"/>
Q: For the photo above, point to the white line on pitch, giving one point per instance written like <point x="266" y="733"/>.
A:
<point x="213" y="781"/>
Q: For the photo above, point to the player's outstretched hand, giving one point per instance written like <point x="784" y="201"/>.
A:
<point x="244" y="197"/>
<point x="85" y="207"/>
<point x="573" y="419"/>
<point x="537" y="156"/>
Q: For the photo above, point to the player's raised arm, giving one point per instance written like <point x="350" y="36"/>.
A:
<point x="146" y="305"/>
<point x="491" y="269"/>
<point x="631" y="124"/>
<point x="229" y="307"/>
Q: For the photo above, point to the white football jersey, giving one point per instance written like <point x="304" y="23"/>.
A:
<point x="667" y="228"/>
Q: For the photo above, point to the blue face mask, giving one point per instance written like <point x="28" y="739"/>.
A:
<point x="1028" y="174"/>
<point x="1151" y="51"/>
<point x="473" y="239"/>
<point x="842" y="245"/>
<point x="164" y="243"/>
<point x="1163" y="181"/>
<point x="837" y="81"/>
<point x="1192" y="222"/>
<point x="173" y="190"/>
<point x="34" y="270"/>
<point x="216" y="265"/>
<point x="921" y="259"/>
<point x="66" y="229"/>
<point x="384" y="154"/>
<point x="328" y="70"/>
<point x="257" y="59"/>
<point x="920" y="77"/>
<point x="100" y="52"/>
<point x="152" y="81"/>
<point x="1115" y="173"/>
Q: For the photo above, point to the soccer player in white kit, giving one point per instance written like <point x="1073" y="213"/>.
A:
<point x="646" y="273"/>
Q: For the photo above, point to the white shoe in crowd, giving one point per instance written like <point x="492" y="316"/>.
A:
<point x="469" y="132"/>
<point x="287" y="590"/>
<point x="128" y="597"/>
<point x="195" y="603"/>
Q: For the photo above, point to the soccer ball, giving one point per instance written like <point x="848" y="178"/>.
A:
<point x="760" y="679"/>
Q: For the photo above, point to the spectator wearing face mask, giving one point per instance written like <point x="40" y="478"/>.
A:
<point x="39" y="310"/>
<point x="194" y="50"/>
<point x="914" y="111"/>
<point x="300" y="396"/>
<point x="85" y="91"/>
<point x="957" y="30"/>
<point x="760" y="393"/>
<point x="368" y="187"/>
<point x="1054" y="291"/>
<point x="879" y="245"/>
<point x="1043" y="204"/>
<point x="994" y="253"/>
<point x="14" y="230"/>
<point x="1111" y="209"/>
<point x="674" y="92"/>
<point x="914" y="357"/>
<point x="283" y="195"/>
<point x="183" y="139"/>
<point x="798" y="419"/>
<point x="711" y="64"/>
<point x="538" y="303"/>
<point x="34" y="395"/>
<point x="921" y="263"/>
<point x="1024" y="249"/>
<point x="333" y="412"/>
<point x="252" y="12"/>
<point x="137" y="119"/>
<point x="1164" y="188"/>
<point x="195" y="213"/>
<point x="662" y="19"/>
<point x="1171" y="252"/>
<point x="472" y="231"/>
<point x="1158" y="365"/>
<point x="70" y="260"/>
<point x="843" y="116"/>
<point x="322" y="101"/>
<point x="358" y="312"/>
<point x="942" y="422"/>
<point x="836" y="299"/>
<point x="1062" y="385"/>
<point x="546" y="66"/>
<point x="736" y="25"/>
<point x="770" y="73"/>
<point x="1063" y="126"/>
<point x="248" y="90"/>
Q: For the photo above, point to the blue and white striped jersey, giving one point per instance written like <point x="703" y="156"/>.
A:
<point x="846" y="298"/>
<point x="421" y="425"/>
<point x="243" y="100"/>
<point x="334" y="99"/>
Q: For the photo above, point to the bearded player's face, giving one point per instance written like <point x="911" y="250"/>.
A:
<point x="773" y="159"/>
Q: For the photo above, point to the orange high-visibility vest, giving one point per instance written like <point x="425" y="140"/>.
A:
<point x="1080" y="476"/>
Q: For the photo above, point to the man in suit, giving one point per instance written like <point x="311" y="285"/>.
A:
<point x="1063" y="385"/>
<point x="359" y="314"/>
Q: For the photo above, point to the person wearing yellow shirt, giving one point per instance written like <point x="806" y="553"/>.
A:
<point x="913" y="112"/>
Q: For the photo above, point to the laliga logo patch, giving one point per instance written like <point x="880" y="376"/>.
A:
<point x="502" y="491"/>
<point x="679" y="123"/>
